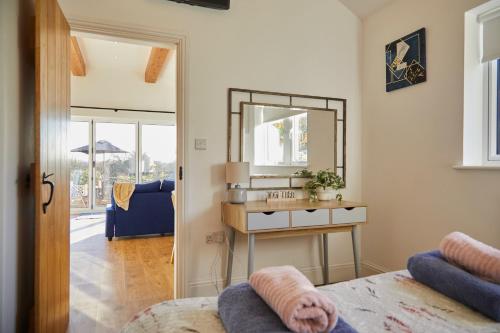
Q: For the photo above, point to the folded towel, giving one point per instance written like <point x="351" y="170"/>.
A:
<point x="122" y="192"/>
<point x="289" y="293"/>
<point x="476" y="257"/>
<point x="243" y="311"/>
<point x="433" y="270"/>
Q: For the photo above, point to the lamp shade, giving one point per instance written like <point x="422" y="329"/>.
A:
<point x="237" y="172"/>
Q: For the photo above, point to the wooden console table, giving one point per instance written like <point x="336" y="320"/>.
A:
<point x="262" y="220"/>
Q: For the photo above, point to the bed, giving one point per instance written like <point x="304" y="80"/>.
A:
<point x="390" y="302"/>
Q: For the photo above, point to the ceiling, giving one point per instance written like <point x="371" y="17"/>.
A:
<point x="107" y="55"/>
<point x="122" y="73"/>
<point x="363" y="8"/>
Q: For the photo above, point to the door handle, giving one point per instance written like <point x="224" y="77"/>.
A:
<point x="51" y="184"/>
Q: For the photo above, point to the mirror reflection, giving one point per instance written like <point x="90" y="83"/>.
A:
<point x="280" y="140"/>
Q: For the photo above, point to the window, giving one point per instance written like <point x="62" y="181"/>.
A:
<point x="158" y="152"/>
<point x="282" y="142"/>
<point x="103" y="152"/>
<point x="481" y="136"/>
<point x="494" y="109"/>
<point x="115" y="158"/>
<point x="79" y="163"/>
<point x="299" y="141"/>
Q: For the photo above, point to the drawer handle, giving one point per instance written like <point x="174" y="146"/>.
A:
<point x="268" y="213"/>
<point x="310" y="210"/>
<point x="349" y="208"/>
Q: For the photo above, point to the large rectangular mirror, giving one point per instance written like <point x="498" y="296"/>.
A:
<point x="281" y="140"/>
<point x="281" y="133"/>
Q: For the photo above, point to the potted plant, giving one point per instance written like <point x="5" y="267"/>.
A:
<point x="323" y="185"/>
<point x="311" y="188"/>
<point x="325" y="179"/>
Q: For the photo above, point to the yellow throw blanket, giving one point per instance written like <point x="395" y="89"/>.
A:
<point x="122" y="193"/>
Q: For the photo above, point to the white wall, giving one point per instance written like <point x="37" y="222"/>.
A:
<point x="16" y="153"/>
<point x="282" y="45"/>
<point x="412" y="137"/>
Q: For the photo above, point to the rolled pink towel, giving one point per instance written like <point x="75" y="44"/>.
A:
<point x="289" y="293"/>
<point x="476" y="257"/>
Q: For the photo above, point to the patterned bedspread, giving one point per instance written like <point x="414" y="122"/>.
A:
<point x="391" y="302"/>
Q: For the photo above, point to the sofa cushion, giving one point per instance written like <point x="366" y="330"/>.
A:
<point x="167" y="185"/>
<point x="148" y="187"/>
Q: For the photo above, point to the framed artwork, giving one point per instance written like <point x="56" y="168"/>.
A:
<point x="405" y="61"/>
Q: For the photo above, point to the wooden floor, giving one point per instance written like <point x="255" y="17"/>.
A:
<point x="111" y="281"/>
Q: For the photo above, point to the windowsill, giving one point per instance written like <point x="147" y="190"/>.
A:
<point x="476" y="167"/>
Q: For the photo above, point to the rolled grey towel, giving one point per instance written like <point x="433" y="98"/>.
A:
<point x="243" y="311"/>
<point x="432" y="269"/>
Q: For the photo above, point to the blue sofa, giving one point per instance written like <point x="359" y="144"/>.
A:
<point x="150" y="212"/>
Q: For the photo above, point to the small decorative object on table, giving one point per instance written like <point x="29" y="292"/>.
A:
<point x="323" y="185"/>
<point x="237" y="173"/>
<point x="280" y="196"/>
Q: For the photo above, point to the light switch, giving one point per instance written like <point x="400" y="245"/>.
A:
<point x="200" y="144"/>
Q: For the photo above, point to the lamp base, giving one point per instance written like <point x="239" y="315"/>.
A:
<point x="237" y="195"/>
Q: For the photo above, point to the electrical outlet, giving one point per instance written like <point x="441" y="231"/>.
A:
<point x="200" y="144"/>
<point x="217" y="237"/>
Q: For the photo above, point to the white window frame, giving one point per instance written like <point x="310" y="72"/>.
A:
<point x="479" y="127"/>
<point x="492" y="112"/>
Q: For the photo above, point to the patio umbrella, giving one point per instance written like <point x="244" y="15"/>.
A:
<point x="101" y="147"/>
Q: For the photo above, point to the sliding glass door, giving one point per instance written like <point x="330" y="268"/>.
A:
<point x="115" y="158"/>
<point x="105" y="152"/>
<point x="158" y="145"/>
<point x="80" y="179"/>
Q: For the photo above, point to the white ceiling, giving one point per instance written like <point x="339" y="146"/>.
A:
<point x="363" y="8"/>
<point x="115" y="76"/>
<point x="107" y="55"/>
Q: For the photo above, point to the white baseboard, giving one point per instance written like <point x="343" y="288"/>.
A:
<point x="338" y="273"/>
<point x="369" y="268"/>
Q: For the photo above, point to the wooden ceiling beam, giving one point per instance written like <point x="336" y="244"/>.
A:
<point x="156" y="62"/>
<point x="78" y="67"/>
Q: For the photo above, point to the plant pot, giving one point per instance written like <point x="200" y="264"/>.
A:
<point x="326" y="195"/>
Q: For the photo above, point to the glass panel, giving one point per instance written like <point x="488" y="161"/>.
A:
<point x="299" y="139"/>
<point x="158" y="152"/>
<point x="79" y="164"/>
<point x="498" y="105"/>
<point x="115" y="158"/>
<point x="280" y="139"/>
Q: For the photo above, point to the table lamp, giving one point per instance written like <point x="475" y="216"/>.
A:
<point x="237" y="173"/>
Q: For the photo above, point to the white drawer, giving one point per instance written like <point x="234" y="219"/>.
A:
<point x="310" y="218"/>
<point x="349" y="215"/>
<point x="268" y="220"/>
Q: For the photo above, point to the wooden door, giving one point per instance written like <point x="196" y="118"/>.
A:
<point x="52" y="116"/>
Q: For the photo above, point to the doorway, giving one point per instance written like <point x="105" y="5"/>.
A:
<point x="119" y="140"/>
<point x="51" y="168"/>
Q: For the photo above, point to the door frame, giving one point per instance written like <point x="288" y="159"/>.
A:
<point x="141" y="33"/>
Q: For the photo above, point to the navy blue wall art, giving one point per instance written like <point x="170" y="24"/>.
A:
<point x="405" y="61"/>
